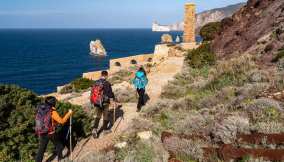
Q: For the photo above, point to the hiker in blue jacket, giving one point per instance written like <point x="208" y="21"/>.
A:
<point x="140" y="81"/>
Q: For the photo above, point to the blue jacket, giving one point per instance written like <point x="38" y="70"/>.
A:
<point x="140" y="81"/>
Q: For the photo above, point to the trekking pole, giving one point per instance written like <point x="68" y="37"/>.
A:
<point x="70" y="128"/>
<point x="114" y="107"/>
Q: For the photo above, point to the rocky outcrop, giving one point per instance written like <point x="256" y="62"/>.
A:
<point x="156" y="27"/>
<point x="216" y="15"/>
<point x="97" y="48"/>
<point x="201" y="19"/>
<point x="257" y="25"/>
<point x="166" y="38"/>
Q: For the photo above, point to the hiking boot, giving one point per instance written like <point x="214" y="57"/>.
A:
<point x="95" y="133"/>
<point x="138" y="109"/>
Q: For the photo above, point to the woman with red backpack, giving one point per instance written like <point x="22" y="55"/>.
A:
<point x="46" y="120"/>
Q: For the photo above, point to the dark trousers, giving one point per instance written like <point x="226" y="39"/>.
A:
<point x="43" y="142"/>
<point x="102" y="112"/>
<point x="141" y="101"/>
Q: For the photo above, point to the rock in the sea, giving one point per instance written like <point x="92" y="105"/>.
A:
<point x="177" y="39"/>
<point x="167" y="38"/>
<point x="97" y="48"/>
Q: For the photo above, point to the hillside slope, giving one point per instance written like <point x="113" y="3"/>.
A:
<point x="258" y="25"/>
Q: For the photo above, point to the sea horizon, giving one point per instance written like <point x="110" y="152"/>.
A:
<point x="42" y="59"/>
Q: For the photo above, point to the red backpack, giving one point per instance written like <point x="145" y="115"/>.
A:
<point x="43" y="120"/>
<point x="97" y="93"/>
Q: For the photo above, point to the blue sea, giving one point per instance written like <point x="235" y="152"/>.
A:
<point x="42" y="59"/>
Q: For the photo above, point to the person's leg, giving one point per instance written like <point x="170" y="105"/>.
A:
<point x="105" y="118"/>
<point x="99" y="113"/>
<point x="141" y="93"/>
<point x="97" y="116"/>
<point x="58" y="145"/>
<point x="43" y="141"/>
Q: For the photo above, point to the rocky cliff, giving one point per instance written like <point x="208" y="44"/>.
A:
<point x="257" y="27"/>
<point x="217" y="14"/>
<point x="202" y="18"/>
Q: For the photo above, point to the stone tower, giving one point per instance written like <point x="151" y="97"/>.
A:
<point x="189" y="23"/>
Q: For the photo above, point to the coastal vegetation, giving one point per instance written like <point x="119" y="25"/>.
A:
<point x="120" y="76"/>
<point x="77" y="85"/>
<point x="279" y="55"/>
<point x="17" y="114"/>
<point x="209" y="31"/>
<point x="202" y="56"/>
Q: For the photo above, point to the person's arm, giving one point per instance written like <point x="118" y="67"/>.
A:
<point x="55" y="116"/>
<point x="108" y="91"/>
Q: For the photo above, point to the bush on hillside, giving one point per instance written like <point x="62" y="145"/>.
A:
<point x="278" y="56"/>
<point x="81" y="123"/>
<point x="209" y="31"/>
<point x="82" y="84"/>
<point x="17" y="111"/>
<point x="120" y="76"/>
<point x="202" y="56"/>
<point x="17" y="117"/>
<point x="77" y="85"/>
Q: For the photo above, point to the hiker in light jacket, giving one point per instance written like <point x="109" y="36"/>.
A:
<point x="140" y="81"/>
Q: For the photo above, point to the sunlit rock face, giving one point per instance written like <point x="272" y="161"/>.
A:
<point x="97" y="48"/>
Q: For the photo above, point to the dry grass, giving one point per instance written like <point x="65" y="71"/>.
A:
<point x="186" y="149"/>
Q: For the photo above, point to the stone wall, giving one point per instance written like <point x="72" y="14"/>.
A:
<point x="126" y="62"/>
<point x="161" y="52"/>
<point x="95" y="75"/>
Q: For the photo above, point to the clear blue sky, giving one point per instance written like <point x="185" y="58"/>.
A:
<point x="96" y="13"/>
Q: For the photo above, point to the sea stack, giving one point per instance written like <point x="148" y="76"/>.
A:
<point x="166" y="38"/>
<point x="97" y="48"/>
<point x="177" y="39"/>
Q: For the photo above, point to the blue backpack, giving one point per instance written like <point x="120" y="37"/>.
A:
<point x="140" y="81"/>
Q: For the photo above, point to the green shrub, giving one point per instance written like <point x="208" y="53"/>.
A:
<point x="200" y="57"/>
<point x="17" y="111"/>
<point x="81" y="84"/>
<point x="272" y="113"/>
<point x="17" y="116"/>
<point x="81" y="124"/>
<point x="66" y="89"/>
<point x="209" y="31"/>
<point x="278" y="56"/>
<point x="77" y="85"/>
<point x="137" y="151"/>
<point x="120" y="76"/>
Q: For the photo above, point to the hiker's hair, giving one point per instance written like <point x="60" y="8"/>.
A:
<point x="143" y="70"/>
<point x="104" y="73"/>
<point x="51" y="101"/>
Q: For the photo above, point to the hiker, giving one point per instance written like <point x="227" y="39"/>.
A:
<point x="101" y="98"/>
<point x="47" y="119"/>
<point x="140" y="81"/>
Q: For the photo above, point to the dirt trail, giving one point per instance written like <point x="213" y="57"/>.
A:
<point x="158" y="78"/>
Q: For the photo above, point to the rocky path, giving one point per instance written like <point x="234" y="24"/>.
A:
<point x="158" y="78"/>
